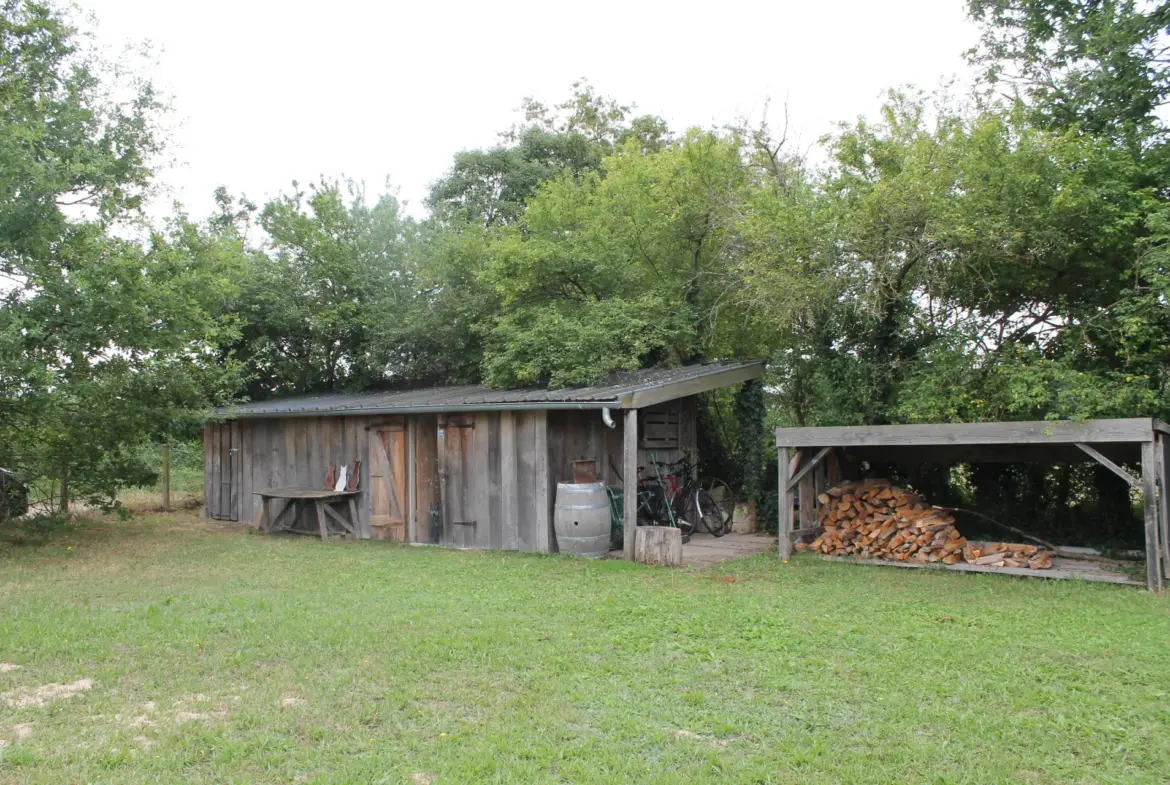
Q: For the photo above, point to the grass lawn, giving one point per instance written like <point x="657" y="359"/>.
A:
<point x="217" y="656"/>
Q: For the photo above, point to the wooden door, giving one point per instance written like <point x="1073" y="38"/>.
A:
<point x="428" y="499"/>
<point x="221" y="456"/>
<point x="456" y="476"/>
<point x="388" y="499"/>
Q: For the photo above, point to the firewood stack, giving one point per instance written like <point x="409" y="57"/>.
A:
<point x="876" y="520"/>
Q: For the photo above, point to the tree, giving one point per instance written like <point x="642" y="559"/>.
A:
<point x="622" y="268"/>
<point x="334" y="269"/>
<point x="1098" y="64"/>
<point x="105" y="342"/>
<point x="490" y="187"/>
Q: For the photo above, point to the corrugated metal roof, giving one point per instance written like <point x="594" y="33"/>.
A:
<point x="438" y="399"/>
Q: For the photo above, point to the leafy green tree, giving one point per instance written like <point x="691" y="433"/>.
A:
<point x="618" y="269"/>
<point x="1098" y="64"/>
<point x="490" y="187"/>
<point x="333" y="269"/>
<point x="106" y="342"/>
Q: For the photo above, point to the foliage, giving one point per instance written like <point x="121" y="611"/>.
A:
<point x="491" y="187"/>
<point x="332" y="267"/>
<point x="105" y="341"/>
<point x="619" y="269"/>
<point x="1097" y="64"/>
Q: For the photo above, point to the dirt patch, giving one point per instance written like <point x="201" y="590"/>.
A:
<point x="418" y="778"/>
<point x="22" y="731"/>
<point x="6" y="667"/>
<point x="289" y="700"/>
<point x="45" y="694"/>
<point x="199" y="716"/>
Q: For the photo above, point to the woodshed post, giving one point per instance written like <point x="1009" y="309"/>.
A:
<point x="1150" y="508"/>
<point x="784" y="523"/>
<point x="630" y="483"/>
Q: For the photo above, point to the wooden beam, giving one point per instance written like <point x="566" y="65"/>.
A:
<point x="629" y="483"/>
<point x="1111" y="466"/>
<point x="411" y="471"/>
<point x="784" y="522"/>
<point x="808" y="467"/>
<point x="713" y="381"/>
<point x="1164" y="500"/>
<point x="1150" y="508"/>
<point x="320" y="505"/>
<point x="545" y="495"/>
<point x="1043" y="432"/>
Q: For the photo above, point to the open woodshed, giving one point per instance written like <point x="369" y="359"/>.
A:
<point x="876" y="523"/>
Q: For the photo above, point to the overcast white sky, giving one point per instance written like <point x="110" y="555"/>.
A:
<point x="267" y="92"/>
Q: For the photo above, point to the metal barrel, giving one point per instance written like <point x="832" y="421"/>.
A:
<point x="581" y="519"/>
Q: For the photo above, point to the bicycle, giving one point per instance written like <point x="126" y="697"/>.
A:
<point x="708" y="502"/>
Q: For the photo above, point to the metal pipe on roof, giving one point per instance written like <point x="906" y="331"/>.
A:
<point x="606" y="418"/>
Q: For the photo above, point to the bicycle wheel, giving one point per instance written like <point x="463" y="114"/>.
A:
<point x="709" y="514"/>
<point x="722" y="496"/>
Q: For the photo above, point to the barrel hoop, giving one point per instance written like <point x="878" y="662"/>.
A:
<point x="582" y="506"/>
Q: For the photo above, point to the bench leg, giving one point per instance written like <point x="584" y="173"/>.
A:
<point x="321" y="520"/>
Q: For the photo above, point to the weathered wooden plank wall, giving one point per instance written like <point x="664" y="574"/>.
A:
<point x="497" y="472"/>
<point x="576" y="435"/>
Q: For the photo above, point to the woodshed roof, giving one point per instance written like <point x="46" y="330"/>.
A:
<point x="628" y="390"/>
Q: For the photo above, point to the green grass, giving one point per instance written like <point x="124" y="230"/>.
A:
<point x="415" y="665"/>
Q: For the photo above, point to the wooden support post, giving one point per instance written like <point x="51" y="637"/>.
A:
<point x="1164" y="500"/>
<point x="629" y="483"/>
<point x="166" y="477"/>
<point x="320" y="519"/>
<point x="784" y="524"/>
<point x="1150" y="507"/>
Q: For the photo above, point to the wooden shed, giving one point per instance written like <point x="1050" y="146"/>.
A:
<point x="468" y="467"/>
<point x="817" y="455"/>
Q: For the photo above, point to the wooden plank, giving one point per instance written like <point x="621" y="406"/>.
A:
<point x="1164" y="501"/>
<point x="630" y="486"/>
<point x="480" y="476"/>
<point x="808" y="467"/>
<point x="320" y="507"/>
<point x="1150" y="508"/>
<point x="784" y="519"/>
<point x="1110" y="465"/>
<point x="1043" y="432"/>
<point x="427" y="495"/>
<point x="542" y="540"/>
<point x="247" y="495"/>
<point x="207" y="473"/>
<point x="509" y="484"/>
<point x="528" y="481"/>
<point x="669" y="392"/>
<point x="411" y="481"/>
<point x="215" y="488"/>
<point x="808" y="494"/>
<point x="1019" y="572"/>
<point x="237" y="470"/>
<point x="358" y="439"/>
